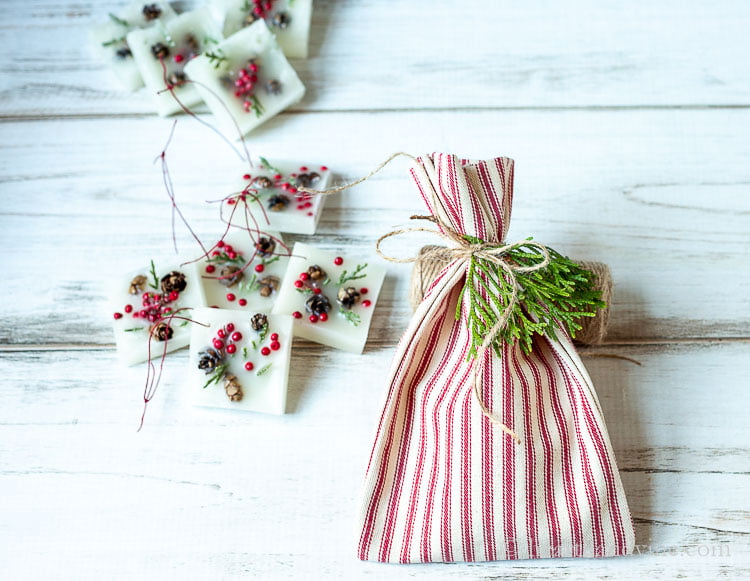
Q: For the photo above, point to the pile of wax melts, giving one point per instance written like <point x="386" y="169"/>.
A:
<point x="230" y="54"/>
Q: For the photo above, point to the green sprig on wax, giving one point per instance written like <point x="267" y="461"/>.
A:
<point x="557" y="295"/>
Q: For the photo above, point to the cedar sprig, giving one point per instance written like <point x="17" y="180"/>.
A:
<point x="217" y="375"/>
<point x="555" y="296"/>
<point x="155" y="283"/>
<point x="217" y="57"/>
<point x="358" y="273"/>
<point x="351" y="316"/>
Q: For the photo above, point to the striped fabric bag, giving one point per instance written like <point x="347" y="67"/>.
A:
<point x="443" y="483"/>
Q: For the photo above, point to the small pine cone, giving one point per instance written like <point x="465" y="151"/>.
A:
<point x="137" y="285"/>
<point x="262" y="183"/>
<point x="268" y="284"/>
<point x="250" y="18"/>
<point x="230" y="275"/>
<point x="316" y="273"/>
<point x="258" y="321"/>
<point x="162" y="332"/>
<point x="273" y="87"/>
<point x="348" y="297"/>
<point x="151" y="11"/>
<point x="318" y="304"/>
<point x="192" y="43"/>
<point x="281" y="20"/>
<point x="232" y="387"/>
<point x="278" y="203"/>
<point x="174" y="281"/>
<point x="307" y="179"/>
<point x="265" y="246"/>
<point x="209" y="360"/>
<point x="160" y="51"/>
<point x="176" y="78"/>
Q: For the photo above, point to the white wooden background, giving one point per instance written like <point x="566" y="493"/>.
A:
<point x="630" y="126"/>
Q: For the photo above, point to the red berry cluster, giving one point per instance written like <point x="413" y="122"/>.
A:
<point x="303" y="199"/>
<point x="244" y="85"/>
<point x="261" y="8"/>
<point x="155" y="306"/>
<point x="274" y="345"/>
<point x="226" y="339"/>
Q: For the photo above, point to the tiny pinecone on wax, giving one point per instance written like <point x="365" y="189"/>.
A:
<point x="557" y="295"/>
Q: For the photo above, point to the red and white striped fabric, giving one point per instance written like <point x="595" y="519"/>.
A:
<point x="443" y="484"/>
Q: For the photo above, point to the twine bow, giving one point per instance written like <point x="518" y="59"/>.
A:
<point x="465" y="249"/>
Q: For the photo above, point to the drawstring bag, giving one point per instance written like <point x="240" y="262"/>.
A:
<point x="491" y="444"/>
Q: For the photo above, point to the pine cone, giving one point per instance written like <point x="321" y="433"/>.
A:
<point x="174" y="281"/>
<point x="268" y="284"/>
<point x="262" y="183"/>
<point x="278" y="203"/>
<point x="316" y="273"/>
<point x="265" y="246"/>
<point x="209" y="360"/>
<point x="137" y="285"/>
<point x="226" y="278"/>
<point x="151" y="11"/>
<point x="307" y="179"/>
<point x="318" y="304"/>
<point x="348" y="297"/>
<point x="258" y="321"/>
<point x="232" y="387"/>
<point x="162" y="332"/>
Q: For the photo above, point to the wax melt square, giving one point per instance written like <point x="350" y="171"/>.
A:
<point x="110" y="43"/>
<point x="163" y="51"/>
<point x="231" y="283"/>
<point x="240" y="361"/>
<point x="143" y="303"/>
<point x="276" y="186"/>
<point x="289" y="20"/>
<point x="246" y="79"/>
<point x="331" y="298"/>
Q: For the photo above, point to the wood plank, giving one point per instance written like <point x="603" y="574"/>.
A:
<point x="671" y="219"/>
<point x="426" y="55"/>
<point x="275" y="496"/>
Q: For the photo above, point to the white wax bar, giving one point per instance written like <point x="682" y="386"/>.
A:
<point x="289" y="20"/>
<point x="337" y="331"/>
<point x="248" y="292"/>
<point x="287" y="209"/>
<point x="131" y="322"/>
<point x="224" y="78"/>
<point x="165" y="50"/>
<point x="108" y="38"/>
<point x="264" y="385"/>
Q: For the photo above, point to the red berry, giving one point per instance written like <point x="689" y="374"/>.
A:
<point x="242" y="302"/>
<point x="278" y="176"/>
<point x="300" y="206"/>
<point x="228" y="248"/>
<point x="253" y="67"/>
<point x="221" y="333"/>
<point x="210" y="268"/>
<point x="297" y="315"/>
<point x="218" y="344"/>
<point x="313" y="318"/>
<point x="310" y="214"/>
<point x="229" y="327"/>
<point x="323" y="168"/>
<point x="299" y="283"/>
<point x="216" y="253"/>
<point x="304" y="276"/>
<point x="174" y="295"/>
<point x="317" y="291"/>
<point x="275" y="345"/>
<point x="118" y="315"/>
<point x="265" y="351"/>
<point x="178" y="58"/>
<point x="231" y="348"/>
<point x="128" y="308"/>
<point x="135" y="315"/>
<point x="338" y="261"/>
<point x="366" y="303"/>
<point x="364" y="291"/>
<point x="143" y="313"/>
<point x="323" y="317"/>
<point x="167" y="311"/>
<point x="231" y="297"/>
<point x="249" y="366"/>
<point x="236" y="336"/>
<point x="303" y="168"/>
<point x="274" y="336"/>
<point x="247" y="176"/>
<point x="232" y="255"/>
<point x="231" y="201"/>
<point x="259" y="268"/>
<point x="220" y="244"/>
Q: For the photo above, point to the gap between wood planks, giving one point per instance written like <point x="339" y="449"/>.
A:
<point x="468" y="109"/>
<point x="15" y="348"/>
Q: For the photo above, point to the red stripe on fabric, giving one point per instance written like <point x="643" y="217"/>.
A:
<point x="509" y="459"/>
<point x="569" y="484"/>
<point x="467" y="536"/>
<point x="401" y="458"/>
<point x="436" y="379"/>
<point x="494" y="201"/>
<point x="531" y="517"/>
<point x="488" y="473"/>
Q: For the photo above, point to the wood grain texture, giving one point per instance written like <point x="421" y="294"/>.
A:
<point x="425" y="55"/>
<point x="629" y="125"/>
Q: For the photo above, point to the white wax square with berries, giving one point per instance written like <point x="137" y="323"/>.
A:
<point x="331" y="297"/>
<point x="239" y="360"/>
<point x="276" y="187"/>
<point x="244" y="270"/>
<point x="289" y="20"/>
<point x="245" y="80"/>
<point x="163" y="52"/>
<point x="109" y="38"/>
<point x="143" y="303"/>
